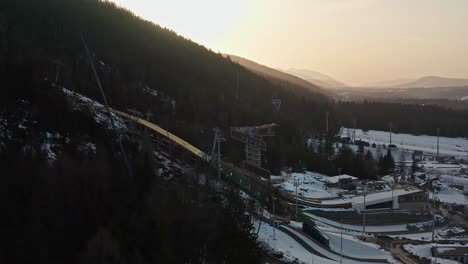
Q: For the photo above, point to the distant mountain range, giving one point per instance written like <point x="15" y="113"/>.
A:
<point x="424" y="82"/>
<point x="314" y="81"/>
<point x="388" y="83"/>
<point x="316" y="78"/>
<point x="277" y="76"/>
<point x="434" y="82"/>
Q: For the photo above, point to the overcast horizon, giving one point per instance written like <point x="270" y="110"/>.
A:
<point x="353" y="41"/>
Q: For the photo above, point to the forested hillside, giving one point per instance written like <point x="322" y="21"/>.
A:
<point x="196" y="87"/>
<point x="418" y="119"/>
<point x="65" y="195"/>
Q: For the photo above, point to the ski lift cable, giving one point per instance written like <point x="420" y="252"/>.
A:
<point x="125" y="157"/>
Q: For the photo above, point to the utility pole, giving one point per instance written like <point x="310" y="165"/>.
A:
<point x="393" y="188"/>
<point x="339" y="177"/>
<point x="364" y="211"/>
<point x="237" y="85"/>
<point x="433" y="215"/>
<point x="341" y="243"/>
<point x="438" y="133"/>
<point x="274" y="218"/>
<point x="296" y="184"/>
<point x="326" y="121"/>
<point x="216" y="151"/>
<point x="391" y="127"/>
<point x="354" y="132"/>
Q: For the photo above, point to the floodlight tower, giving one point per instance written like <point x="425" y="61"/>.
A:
<point x="253" y="139"/>
<point x="216" y="150"/>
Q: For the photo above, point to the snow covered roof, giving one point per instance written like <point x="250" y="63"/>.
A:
<point x="335" y="179"/>
<point x="443" y="251"/>
<point x="379" y="197"/>
<point x="388" y="178"/>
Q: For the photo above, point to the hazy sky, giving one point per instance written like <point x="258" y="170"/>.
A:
<point x="355" y="41"/>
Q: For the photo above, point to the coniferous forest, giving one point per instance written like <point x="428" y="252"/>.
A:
<point x="83" y="207"/>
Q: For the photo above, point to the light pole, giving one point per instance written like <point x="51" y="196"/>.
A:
<point x="296" y="183"/>
<point x="393" y="188"/>
<point x="433" y="215"/>
<point x="339" y="178"/>
<point x="274" y="218"/>
<point x="364" y="211"/>
<point x="341" y="243"/>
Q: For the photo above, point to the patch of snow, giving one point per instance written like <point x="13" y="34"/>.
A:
<point x="50" y="146"/>
<point x="100" y="114"/>
<point x="87" y="147"/>
<point x="291" y="249"/>
<point x="457" y="147"/>
<point x="330" y="254"/>
<point x="5" y="134"/>
<point x="354" y="247"/>
<point x="150" y="91"/>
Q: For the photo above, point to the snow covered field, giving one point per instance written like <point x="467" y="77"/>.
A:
<point x="447" y="194"/>
<point x="354" y="247"/>
<point x="290" y="248"/>
<point x="457" y="147"/>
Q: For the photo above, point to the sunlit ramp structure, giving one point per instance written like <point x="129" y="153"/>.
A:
<point x="252" y="137"/>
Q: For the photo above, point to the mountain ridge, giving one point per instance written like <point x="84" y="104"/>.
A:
<point x="434" y="82"/>
<point x="316" y="78"/>
<point x="277" y="76"/>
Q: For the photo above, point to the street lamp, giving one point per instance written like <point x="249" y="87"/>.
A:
<point x="296" y="184"/>
<point x="274" y="218"/>
<point x="341" y="243"/>
<point x="364" y="210"/>
<point x="433" y="215"/>
<point x="339" y="178"/>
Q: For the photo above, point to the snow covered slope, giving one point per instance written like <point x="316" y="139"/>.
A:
<point x="457" y="147"/>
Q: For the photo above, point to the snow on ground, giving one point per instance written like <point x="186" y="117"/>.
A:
<point x="50" y="146"/>
<point x="354" y="248"/>
<point x="457" y="147"/>
<point x="424" y="251"/>
<point x="87" y="147"/>
<point x="290" y="248"/>
<point x="100" y="114"/>
<point x="448" y="194"/>
<point x="150" y="91"/>
<point x="440" y="233"/>
<point x="311" y="185"/>
<point x="451" y="196"/>
<point x="454" y="179"/>
<point x="5" y="134"/>
<point x="372" y="229"/>
<point x="332" y="255"/>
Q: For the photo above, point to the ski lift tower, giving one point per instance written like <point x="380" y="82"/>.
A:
<point x="252" y="137"/>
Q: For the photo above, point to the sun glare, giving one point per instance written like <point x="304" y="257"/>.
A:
<point x="203" y="21"/>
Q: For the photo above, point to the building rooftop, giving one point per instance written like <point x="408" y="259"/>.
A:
<point x="335" y="179"/>
<point x="448" y="251"/>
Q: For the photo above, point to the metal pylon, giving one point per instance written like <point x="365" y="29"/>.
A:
<point x="216" y="150"/>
